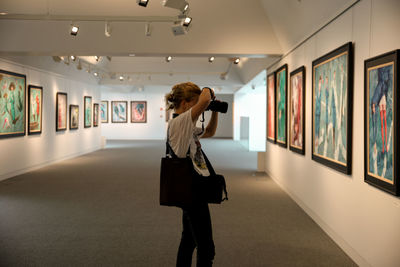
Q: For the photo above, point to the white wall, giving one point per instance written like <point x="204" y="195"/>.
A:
<point x="362" y="219"/>
<point x="21" y="154"/>
<point x="155" y="128"/>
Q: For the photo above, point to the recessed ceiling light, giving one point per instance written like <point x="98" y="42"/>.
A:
<point x="74" y="30"/>
<point x="95" y="74"/>
<point x="121" y="78"/>
<point x="132" y="55"/>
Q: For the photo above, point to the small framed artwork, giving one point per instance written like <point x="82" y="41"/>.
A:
<point x="61" y="112"/>
<point x="138" y="111"/>
<point x="73" y="117"/>
<point x="104" y="111"/>
<point x="35" y="105"/>
<point x="12" y="104"/>
<point x="271" y="137"/>
<point x="281" y="105"/>
<point x="381" y="121"/>
<point x="95" y="115"/>
<point x="119" y="112"/>
<point x="88" y="111"/>
<point x="297" y="110"/>
<point x="332" y="113"/>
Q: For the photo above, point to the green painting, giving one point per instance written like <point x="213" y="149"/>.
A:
<point x="88" y="111"/>
<point x="281" y="104"/>
<point x="12" y="104"/>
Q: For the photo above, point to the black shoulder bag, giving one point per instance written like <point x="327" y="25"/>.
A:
<point x="182" y="186"/>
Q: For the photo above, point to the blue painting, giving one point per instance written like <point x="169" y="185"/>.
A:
<point x="330" y="132"/>
<point x="119" y="111"/>
<point x="380" y="122"/>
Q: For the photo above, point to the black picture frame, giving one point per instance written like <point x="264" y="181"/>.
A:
<point x="381" y="116"/>
<point x="271" y="100"/>
<point x="87" y="112"/>
<point x="340" y="161"/>
<point x="95" y="115"/>
<point x="4" y="94"/>
<point x="298" y="148"/>
<point x="121" y="119"/>
<point x="64" y="107"/>
<point x="279" y="108"/>
<point x="72" y="125"/>
<point x="30" y="123"/>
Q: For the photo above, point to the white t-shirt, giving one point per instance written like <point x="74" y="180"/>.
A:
<point x="184" y="133"/>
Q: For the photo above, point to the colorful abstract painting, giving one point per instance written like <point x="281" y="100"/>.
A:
<point x="119" y="111"/>
<point x="88" y="111"/>
<point x="281" y="105"/>
<point x="271" y="107"/>
<point x="104" y="111"/>
<point x="297" y="110"/>
<point x="138" y="111"/>
<point x="332" y="113"/>
<point x="95" y="115"/>
<point x="35" y="106"/>
<point x="61" y="112"/>
<point x="73" y="117"/>
<point x="12" y="104"/>
<point x="380" y="113"/>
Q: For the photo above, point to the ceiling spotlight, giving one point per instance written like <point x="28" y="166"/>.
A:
<point x="95" y="74"/>
<point x="147" y="29"/>
<point x="97" y="58"/>
<point x="182" y="5"/>
<point x="142" y="3"/>
<point x="107" y="29"/>
<point x="121" y="78"/>
<point x="73" y="58"/>
<point x="211" y="59"/>
<point x="237" y="60"/>
<point x="186" y="21"/>
<point x="181" y="26"/>
<point x="74" y="30"/>
<point x="168" y="59"/>
<point x="57" y="58"/>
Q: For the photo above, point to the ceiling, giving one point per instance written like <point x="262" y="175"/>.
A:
<point x="257" y="31"/>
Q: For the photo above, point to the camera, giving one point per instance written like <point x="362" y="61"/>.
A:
<point x="218" y="106"/>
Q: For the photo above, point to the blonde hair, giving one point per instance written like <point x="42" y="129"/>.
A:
<point x="182" y="91"/>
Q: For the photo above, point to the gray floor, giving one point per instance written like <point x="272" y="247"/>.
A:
<point x="102" y="209"/>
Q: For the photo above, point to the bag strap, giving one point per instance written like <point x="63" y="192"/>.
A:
<point x="212" y="172"/>
<point x="170" y="151"/>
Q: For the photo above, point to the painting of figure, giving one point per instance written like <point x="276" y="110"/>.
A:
<point x="35" y="98"/>
<point x="73" y="117"/>
<point x="297" y="110"/>
<point x="61" y="112"/>
<point x="104" y="111"/>
<point x="138" y="111"/>
<point x="119" y="112"/>
<point x="88" y="111"/>
<point x="95" y="115"/>
<point x="380" y="139"/>
<point x="332" y="92"/>
<point x="281" y="105"/>
<point x="271" y="107"/>
<point x="12" y="104"/>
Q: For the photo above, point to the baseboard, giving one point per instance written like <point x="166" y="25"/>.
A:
<point x="46" y="163"/>
<point x="346" y="247"/>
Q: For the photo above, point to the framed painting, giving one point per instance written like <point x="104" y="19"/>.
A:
<point x="271" y="137"/>
<point x="61" y="112"/>
<point x="297" y="111"/>
<point x="138" y="111"/>
<point x="381" y="121"/>
<point x="12" y="104"/>
<point x="35" y="106"/>
<point x="332" y="113"/>
<point x="104" y="111"/>
<point x="87" y="111"/>
<point x="281" y="105"/>
<point x="73" y="117"/>
<point x="119" y="112"/>
<point x="95" y="115"/>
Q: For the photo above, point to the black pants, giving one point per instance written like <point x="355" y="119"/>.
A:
<point x="197" y="232"/>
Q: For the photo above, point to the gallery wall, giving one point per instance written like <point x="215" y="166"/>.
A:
<point x="362" y="219"/>
<point x="156" y="125"/>
<point x="25" y="153"/>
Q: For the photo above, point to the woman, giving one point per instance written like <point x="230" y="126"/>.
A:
<point x="188" y="102"/>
